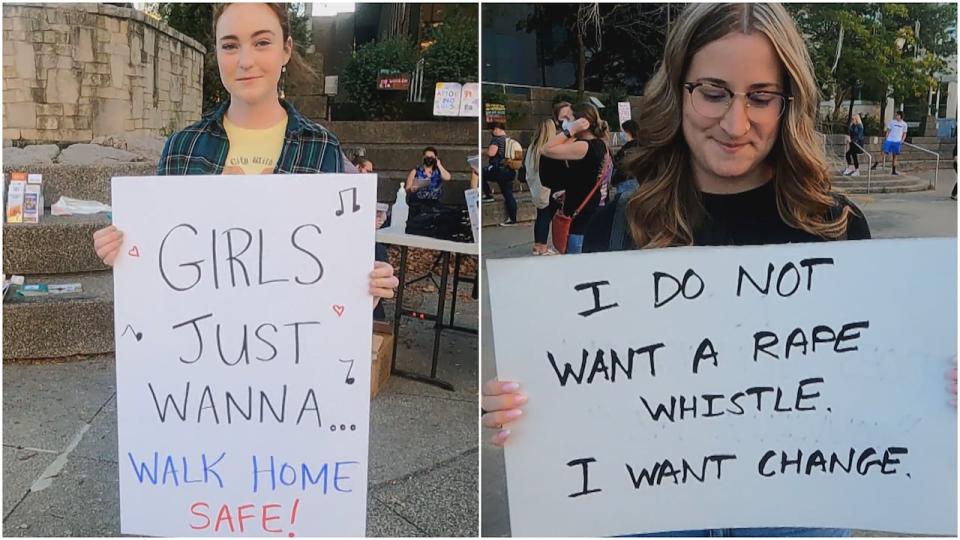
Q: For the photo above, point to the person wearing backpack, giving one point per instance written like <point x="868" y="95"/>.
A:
<point x="500" y="171"/>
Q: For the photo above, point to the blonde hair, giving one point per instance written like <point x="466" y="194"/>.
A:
<point x="667" y="207"/>
<point x="856" y="119"/>
<point x="545" y="130"/>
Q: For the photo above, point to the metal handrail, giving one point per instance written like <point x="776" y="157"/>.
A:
<point x="936" y="173"/>
<point x="869" y="163"/>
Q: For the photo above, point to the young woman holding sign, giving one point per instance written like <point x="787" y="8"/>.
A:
<point x="255" y="131"/>
<point x="728" y="156"/>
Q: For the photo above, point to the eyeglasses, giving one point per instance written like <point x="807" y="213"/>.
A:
<point x="713" y="101"/>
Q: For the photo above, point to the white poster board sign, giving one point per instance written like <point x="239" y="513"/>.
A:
<point x="470" y="100"/>
<point x="473" y="208"/>
<point x="667" y="392"/>
<point x="243" y="333"/>
<point x="623" y="111"/>
<point x="446" y="99"/>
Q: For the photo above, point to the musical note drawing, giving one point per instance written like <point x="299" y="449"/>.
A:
<point x="138" y="335"/>
<point x="349" y="380"/>
<point x="356" y="207"/>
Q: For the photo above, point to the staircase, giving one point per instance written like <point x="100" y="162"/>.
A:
<point x="494" y="213"/>
<point x="59" y="250"/>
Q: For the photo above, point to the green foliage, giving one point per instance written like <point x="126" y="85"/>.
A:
<point x="196" y="21"/>
<point x="880" y="47"/>
<point x="872" y="126"/>
<point x="359" y="78"/>
<point x="452" y="54"/>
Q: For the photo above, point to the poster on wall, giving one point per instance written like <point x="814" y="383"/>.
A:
<point x="243" y="338"/>
<point x="446" y="99"/>
<point x="623" y="112"/>
<point x="470" y="100"/>
<point x="494" y="113"/>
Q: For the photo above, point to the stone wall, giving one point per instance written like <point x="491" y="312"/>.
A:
<point x="72" y="72"/>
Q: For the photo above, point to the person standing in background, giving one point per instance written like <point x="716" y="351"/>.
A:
<point x="855" y="143"/>
<point x="896" y="135"/>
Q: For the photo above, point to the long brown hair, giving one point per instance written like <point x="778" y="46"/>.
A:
<point x="667" y="207"/>
<point x="298" y="70"/>
<point x="598" y="126"/>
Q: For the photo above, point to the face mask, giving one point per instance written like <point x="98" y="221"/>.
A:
<point x="566" y="124"/>
<point x="429" y="161"/>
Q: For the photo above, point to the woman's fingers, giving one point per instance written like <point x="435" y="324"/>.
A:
<point x="503" y="402"/>
<point x="500" y="437"/>
<point x="108" y="252"/>
<point x="382" y="281"/>
<point x="499" y="418"/>
<point x="495" y="387"/>
<point x="107" y="242"/>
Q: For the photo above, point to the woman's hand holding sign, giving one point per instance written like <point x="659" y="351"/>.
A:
<point x="382" y="281"/>
<point x="501" y="402"/>
<point x="107" y="243"/>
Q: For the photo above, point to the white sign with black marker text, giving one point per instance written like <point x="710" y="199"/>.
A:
<point x="243" y="332"/>
<point x="800" y="385"/>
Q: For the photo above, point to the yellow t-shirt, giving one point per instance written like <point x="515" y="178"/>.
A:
<point x="253" y="151"/>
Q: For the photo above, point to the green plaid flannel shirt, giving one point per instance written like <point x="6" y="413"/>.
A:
<point x="201" y="148"/>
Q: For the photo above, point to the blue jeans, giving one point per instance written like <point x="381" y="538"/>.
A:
<point x="574" y="244"/>
<point x="796" y="532"/>
<point x="509" y="201"/>
<point x="627" y="187"/>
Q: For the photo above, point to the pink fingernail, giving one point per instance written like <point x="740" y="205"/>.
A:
<point x="504" y="433"/>
<point x="511" y="387"/>
<point x="514" y="413"/>
<point x="520" y="399"/>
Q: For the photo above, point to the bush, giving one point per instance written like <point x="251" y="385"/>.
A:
<point x="452" y="54"/>
<point x="359" y="78"/>
<point x="872" y="126"/>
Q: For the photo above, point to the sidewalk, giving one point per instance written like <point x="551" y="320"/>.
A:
<point x="60" y="417"/>
<point x="894" y="215"/>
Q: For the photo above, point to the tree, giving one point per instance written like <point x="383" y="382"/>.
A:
<point x="879" y="49"/>
<point x="196" y="21"/>
<point x="612" y="44"/>
<point x="452" y="53"/>
<point x="360" y="75"/>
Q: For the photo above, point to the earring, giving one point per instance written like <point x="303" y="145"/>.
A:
<point x="283" y="78"/>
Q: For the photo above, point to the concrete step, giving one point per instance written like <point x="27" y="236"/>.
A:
<point x="880" y="183"/>
<point x="441" y="133"/>
<point x="56" y="245"/>
<point x="494" y="213"/>
<point x="874" y="188"/>
<point x="406" y="157"/>
<point x="56" y="326"/>
<point x="88" y="182"/>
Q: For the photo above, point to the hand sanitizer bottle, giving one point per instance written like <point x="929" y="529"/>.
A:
<point x="398" y="221"/>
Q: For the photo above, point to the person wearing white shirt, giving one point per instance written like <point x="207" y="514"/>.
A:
<point x="896" y="134"/>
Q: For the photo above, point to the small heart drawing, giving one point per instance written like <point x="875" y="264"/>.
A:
<point x="339" y="309"/>
<point x="134" y="252"/>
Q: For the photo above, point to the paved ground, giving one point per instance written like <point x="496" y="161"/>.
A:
<point x="423" y="443"/>
<point x="896" y="215"/>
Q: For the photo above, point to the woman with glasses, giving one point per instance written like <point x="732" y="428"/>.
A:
<point x="728" y="156"/>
